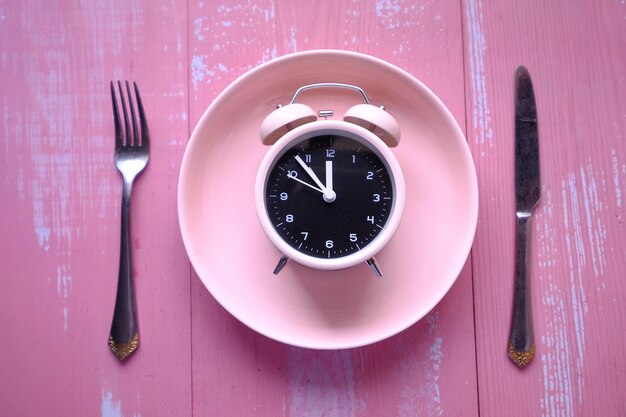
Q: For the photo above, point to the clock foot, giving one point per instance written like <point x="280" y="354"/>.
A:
<point x="371" y="262"/>
<point x="281" y="264"/>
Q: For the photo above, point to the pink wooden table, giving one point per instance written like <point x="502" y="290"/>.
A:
<point x="60" y="204"/>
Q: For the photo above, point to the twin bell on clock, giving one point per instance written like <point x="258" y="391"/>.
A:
<point x="329" y="193"/>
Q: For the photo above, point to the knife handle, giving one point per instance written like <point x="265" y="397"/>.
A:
<point x="521" y="338"/>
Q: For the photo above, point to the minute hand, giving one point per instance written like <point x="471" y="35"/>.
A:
<point x="311" y="173"/>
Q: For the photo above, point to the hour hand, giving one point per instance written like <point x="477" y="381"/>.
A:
<point x="305" y="183"/>
<point x="309" y="171"/>
<point x="329" y="193"/>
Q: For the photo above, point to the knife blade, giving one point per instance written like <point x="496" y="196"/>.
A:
<point x="521" y="347"/>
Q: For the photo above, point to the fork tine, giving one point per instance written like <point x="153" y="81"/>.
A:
<point x="131" y="105"/>
<point x="116" y="119"/>
<point x="145" y="135"/>
<point x="126" y="124"/>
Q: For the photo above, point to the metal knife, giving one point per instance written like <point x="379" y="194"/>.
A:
<point x="521" y="347"/>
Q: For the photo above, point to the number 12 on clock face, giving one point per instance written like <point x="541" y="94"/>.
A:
<point x="329" y="196"/>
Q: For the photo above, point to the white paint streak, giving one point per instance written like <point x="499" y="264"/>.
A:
<point x="197" y="28"/>
<point x="616" y="178"/>
<point x="590" y="235"/>
<point x="55" y="178"/>
<point x="269" y="54"/>
<point x="435" y="356"/>
<point x="292" y="42"/>
<point x="110" y="407"/>
<point x="387" y="10"/>
<point x="595" y="231"/>
<point x="40" y="220"/>
<point x="577" y="265"/>
<point x="401" y="14"/>
<point x="64" y="288"/>
<point x="269" y="14"/>
<point x="556" y="359"/>
<point x="422" y="399"/>
<point x="585" y="235"/>
<point x="481" y="115"/>
<point x="199" y="70"/>
<point x="321" y="383"/>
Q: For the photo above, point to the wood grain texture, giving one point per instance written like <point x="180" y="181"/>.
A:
<point x="428" y="370"/>
<point x="60" y="201"/>
<point x="60" y="220"/>
<point x="576" y="57"/>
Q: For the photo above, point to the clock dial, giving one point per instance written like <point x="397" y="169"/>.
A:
<point x="329" y="196"/>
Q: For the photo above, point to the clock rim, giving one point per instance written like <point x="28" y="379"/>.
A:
<point x="360" y="134"/>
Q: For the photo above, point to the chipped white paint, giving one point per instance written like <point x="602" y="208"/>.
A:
<point x="557" y="397"/>
<point x="40" y="220"/>
<point x="387" y="10"/>
<point x="422" y="399"/>
<point x="197" y="28"/>
<point x="556" y="354"/>
<point x="596" y="232"/>
<point x="577" y="261"/>
<point x="64" y="288"/>
<point x="585" y="234"/>
<point x="291" y="43"/>
<point x="583" y="213"/>
<point x="435" y="356"/>
<point x="110" y="407"/>
<point x="401" y="15"/>
<point x="53" y="178"/>
<point x="616" y="178"/>
<point x="266" y="9"/>
<point x="216" y="27"/>
<point x="270" y="12"/>
<point x="321" y="383"/>
<point x="481" y="115"/>
<point x="269" y="54"/>
<point x="199" y="70"/>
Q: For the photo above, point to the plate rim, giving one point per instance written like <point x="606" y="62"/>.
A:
<point x="450" y="121"/>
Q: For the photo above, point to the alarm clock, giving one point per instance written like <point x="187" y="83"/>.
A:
<point x="329" y="194"/>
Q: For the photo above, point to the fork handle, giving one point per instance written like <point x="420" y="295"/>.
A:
<point x="124" y="335"/>
<point x="521" y="338"/>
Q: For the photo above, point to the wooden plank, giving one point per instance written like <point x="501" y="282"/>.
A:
<point x="427" y="370"/>
<point x="59" y="229"/>
<point x="61" y="203"/>
<point x="575" y="53"/>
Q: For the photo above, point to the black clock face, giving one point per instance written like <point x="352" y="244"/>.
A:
<point x="329" y="196"/>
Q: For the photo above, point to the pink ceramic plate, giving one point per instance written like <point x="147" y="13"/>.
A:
<point x="304" y="307"/>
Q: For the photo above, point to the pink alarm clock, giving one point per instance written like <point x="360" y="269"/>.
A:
<point x="329" y="194"/>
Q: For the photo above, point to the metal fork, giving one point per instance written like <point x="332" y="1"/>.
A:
<point x="132" y="151"/>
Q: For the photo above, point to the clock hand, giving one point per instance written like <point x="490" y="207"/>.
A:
<point x="305" y="183"/>
<point x="329" y="175"/>
<point x="311" y="173"/>
<point x="329" y="194"/>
